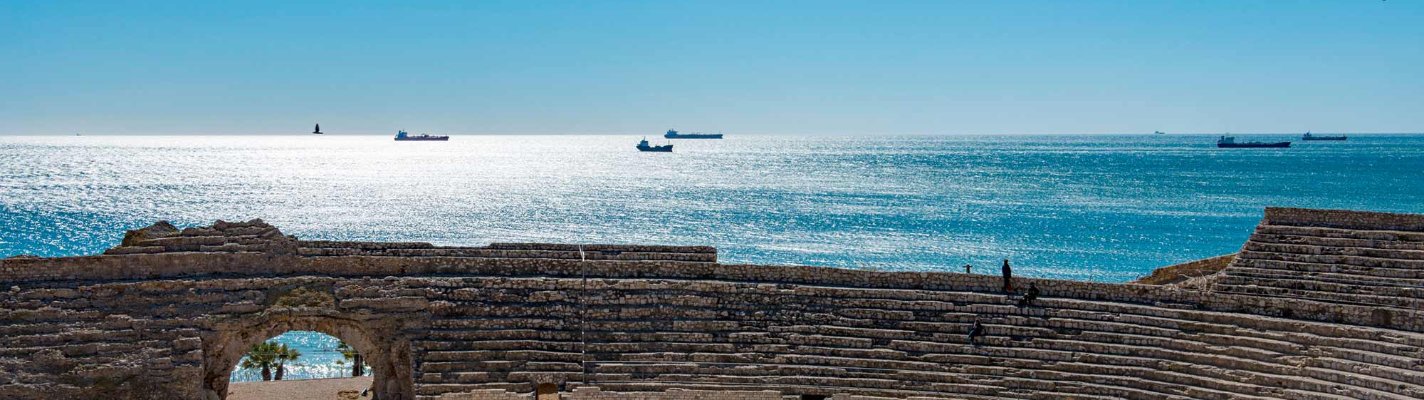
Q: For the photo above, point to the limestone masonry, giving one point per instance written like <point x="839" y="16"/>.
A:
<point x="1317" y="305"/>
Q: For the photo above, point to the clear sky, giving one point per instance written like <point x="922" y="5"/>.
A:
<point x="940" y="67"/>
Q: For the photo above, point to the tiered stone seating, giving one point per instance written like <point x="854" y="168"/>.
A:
<point x="1312" y="309"/>
<point x="899" y="343"/>
<point x="1332" y="256"/>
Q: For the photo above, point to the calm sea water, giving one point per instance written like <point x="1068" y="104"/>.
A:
<point x="1101" y="208"/>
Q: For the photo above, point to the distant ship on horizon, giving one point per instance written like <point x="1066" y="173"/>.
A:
<point x="317" y="130"/>
<point x="644" y="146"/>
<point x="1159" y="133"/>
<point x="673" y="134"/>
<point x="1308" y="136"/>
<point x="403" y="136"/>
<point x="1229" y="142"/>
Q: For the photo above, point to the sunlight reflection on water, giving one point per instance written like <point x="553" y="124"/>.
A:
<point x="1103" y="208"/>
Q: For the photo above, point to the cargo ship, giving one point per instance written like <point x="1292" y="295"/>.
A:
<point x="673" y="134"/>
<point x="1308" y="136"/>
<point x="1229" y="142"/>
<point x="644" y="146"/>
<point x="401" y="135"/>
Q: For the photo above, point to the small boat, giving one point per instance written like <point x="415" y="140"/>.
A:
<point x="1159" y="133"/>
<point x="673" y="134"/>
<point x="401" y="135"/>
<point x="1229" y="142"/>
<point x="317" y="130"/>
<point x="1308" y="136"/>
<point x="644" y="146"/>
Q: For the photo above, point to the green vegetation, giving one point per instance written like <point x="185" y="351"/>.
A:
<point x="358" y="366"/>
<point x="268" y="356"/>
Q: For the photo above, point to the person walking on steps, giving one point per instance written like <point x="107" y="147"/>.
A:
<point x="1008" y="277"/>
<point x="975" y="332"/>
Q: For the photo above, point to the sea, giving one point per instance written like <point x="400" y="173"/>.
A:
<point x="1107" y="208"/>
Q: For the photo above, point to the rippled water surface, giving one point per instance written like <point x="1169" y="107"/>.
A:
<point x="1103" y="208"/>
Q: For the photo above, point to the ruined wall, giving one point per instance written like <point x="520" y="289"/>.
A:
<point x="163" y="315"/>
<point x="1179" y="273"/>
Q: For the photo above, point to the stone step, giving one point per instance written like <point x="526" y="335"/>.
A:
<point x="443" y="335"/>
<point x="1100" y="349"/>
<point x="1314" y="250"/>
<point x="1108" y="309"/>
<point x="1098" y="362"/>
<point x="1325" y="282"/>
<point x="960" y="392"/>
<point x="1367" y="234"/>
<point x="335" y="244"/>
<point x="1285" y="291"/>
<point x="529" y="365"/>
<point x="1286" y="238"/>
<point x="762" y="338"/>
<point x="1356" y="261"/>
<point x="1111" y="380"/>
<point x="1328" y="365"/>
<point x="436" y="389"/>
<point x="501" y="354"/>
<point x="499" y="323"/>
<point x="1404" y="276"/>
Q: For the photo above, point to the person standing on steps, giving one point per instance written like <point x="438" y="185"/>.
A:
<point x="975" y="332"/>
<point x="1008" y="277"/>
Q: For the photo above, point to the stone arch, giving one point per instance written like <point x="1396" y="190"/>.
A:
<point x="388" y="356"/>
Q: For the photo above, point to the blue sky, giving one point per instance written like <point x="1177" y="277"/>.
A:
<point x="796" y="67"/>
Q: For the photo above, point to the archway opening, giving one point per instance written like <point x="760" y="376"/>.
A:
<point x="306" y="355"/>
<point x="385" y="361"/>
<point x="300" y="364"/>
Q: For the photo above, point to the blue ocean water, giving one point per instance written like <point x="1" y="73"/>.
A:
<point x="1101" y="208"/>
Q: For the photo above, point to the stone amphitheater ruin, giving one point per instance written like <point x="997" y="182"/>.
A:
<point x="1317" y="305"/>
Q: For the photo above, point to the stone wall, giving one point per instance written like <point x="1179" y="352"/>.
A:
<point x="166" y="314"/>
<point x="1178" y="273"/>
<point x="1344" y="219"/>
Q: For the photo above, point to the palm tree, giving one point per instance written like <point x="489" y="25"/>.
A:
<point x="261" y="355"/>
<point x="358" y="367"/>
<point x="285" y="354"/>
<point x="267" y="355"/>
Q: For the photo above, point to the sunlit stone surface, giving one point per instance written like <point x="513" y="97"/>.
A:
<point x="1317" y="305"/>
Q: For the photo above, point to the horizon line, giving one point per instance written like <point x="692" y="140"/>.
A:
<point x="308" y="134"/>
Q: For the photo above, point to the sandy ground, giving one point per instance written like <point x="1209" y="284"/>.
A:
<point x="310" y="389"/>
